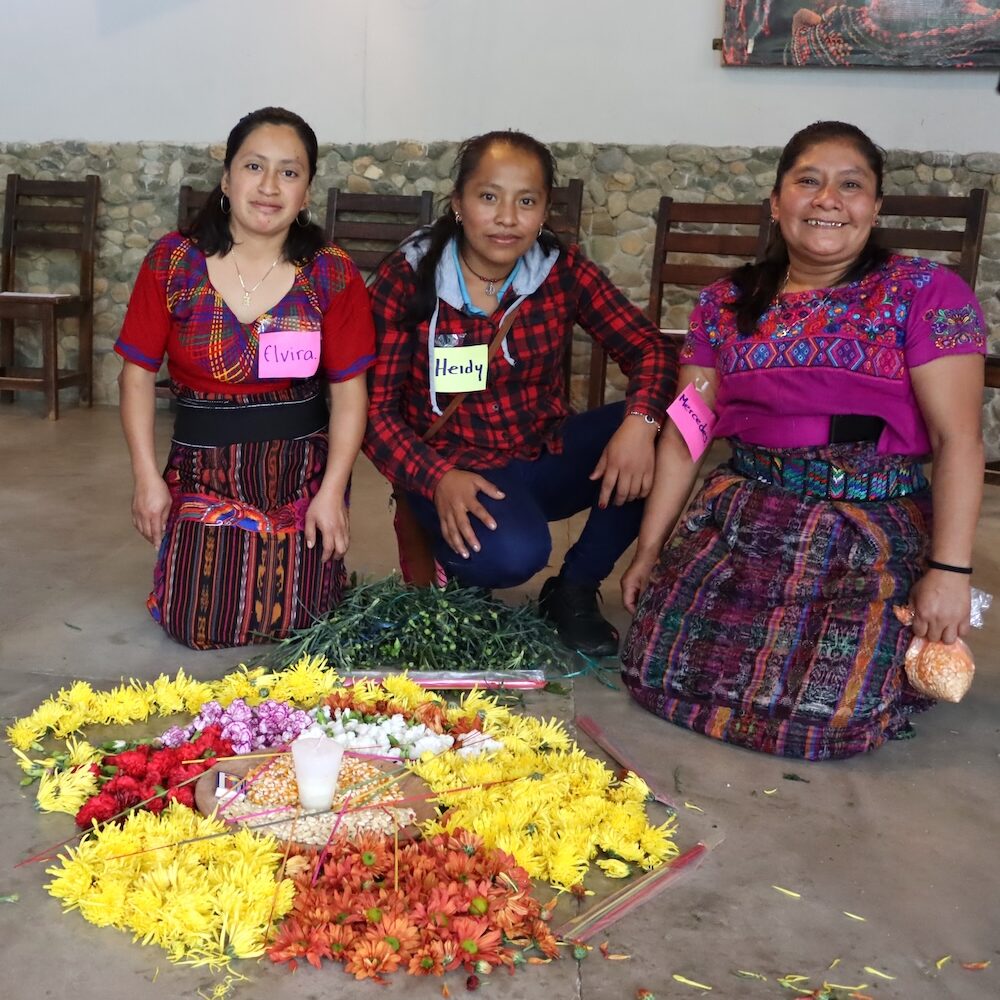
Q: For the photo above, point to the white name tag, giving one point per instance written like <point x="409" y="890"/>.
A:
<point x="460" y="369"/>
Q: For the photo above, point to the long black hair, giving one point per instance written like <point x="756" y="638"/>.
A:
<point x="757" y="284"/>
<point x="445" y="228"/>
<point x="210" y="229"/>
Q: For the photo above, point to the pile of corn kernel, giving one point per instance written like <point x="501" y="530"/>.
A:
<point x="271" y="792"/>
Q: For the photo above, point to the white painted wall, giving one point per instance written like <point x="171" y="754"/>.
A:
<point x="634" y="71"/>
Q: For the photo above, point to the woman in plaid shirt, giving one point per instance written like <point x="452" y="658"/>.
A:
<point x="512" y="456"/>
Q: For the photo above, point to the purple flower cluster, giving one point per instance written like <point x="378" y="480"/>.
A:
<point x="268" y="725"/>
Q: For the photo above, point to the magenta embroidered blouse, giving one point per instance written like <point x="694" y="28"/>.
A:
<point x="835" y="351"/>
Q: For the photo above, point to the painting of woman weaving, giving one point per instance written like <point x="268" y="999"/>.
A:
<point x="892" y="33"/>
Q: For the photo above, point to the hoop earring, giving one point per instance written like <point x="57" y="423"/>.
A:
<point x="540" y="228"/>
<point x="309" y="217"/>
<point x="225" y="204"/>
<point x="458" y="219"/>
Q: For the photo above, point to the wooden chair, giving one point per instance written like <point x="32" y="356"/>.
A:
<point x="369" y="226"/>
<point x="48" y="215"/>
<point x="910" y="223"/>
<point x="993" y="382"/>
<point x="698" y="243"/>
<point x="189" y="203"/>
<point x="565" y="213"/>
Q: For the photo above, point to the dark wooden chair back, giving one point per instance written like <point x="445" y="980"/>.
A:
<point x="911" y="223"/>
<point x="698" y="243"/>
<point x="189" y="203"/>
<point x="48" y="216"/>
<point x="565" y="213"/>
<point x="993" y="382"/>
<point x="565" y="210"/>
<point x="369" y="226"/>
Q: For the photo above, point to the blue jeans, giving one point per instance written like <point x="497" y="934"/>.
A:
<point x="550" y="488"/>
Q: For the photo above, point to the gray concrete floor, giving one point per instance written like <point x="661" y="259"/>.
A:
<point x="906" y="837"/>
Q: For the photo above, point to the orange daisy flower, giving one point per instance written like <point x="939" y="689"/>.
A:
<point x="475" y="942"/>
<point x="367" y="959"/>
<point x="373" y="854"/>
<point x="428" y="959"/>
<point x="465" y="840"/>
<point x="398" y="933"/>
<point x="295" y="940"/>
<point x="544" y="939"/>
<point x="340" y="937"/>
<point x="431" y="714"/>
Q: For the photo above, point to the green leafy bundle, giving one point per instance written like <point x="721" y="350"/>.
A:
<point x="390" y="624"/>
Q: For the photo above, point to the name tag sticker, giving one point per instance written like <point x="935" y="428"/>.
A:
<point x="288" y="353"/>
<point x="461" y="369"/>
<point x="694" y="420"/>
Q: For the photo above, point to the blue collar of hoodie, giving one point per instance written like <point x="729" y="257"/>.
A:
<point x="528" y="274"/>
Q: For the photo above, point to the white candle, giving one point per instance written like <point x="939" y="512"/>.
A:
<point x="317" y="765"/>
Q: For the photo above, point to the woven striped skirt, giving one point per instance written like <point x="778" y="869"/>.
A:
<point x="768" y="620"/>
<point x="233" y="567"/>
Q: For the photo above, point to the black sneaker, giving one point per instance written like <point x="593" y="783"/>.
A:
<point x="572" y="608"/>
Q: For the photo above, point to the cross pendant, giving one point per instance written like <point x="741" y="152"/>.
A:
<point x="491" y="288"/>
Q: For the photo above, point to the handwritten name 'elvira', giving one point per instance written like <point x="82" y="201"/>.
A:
<point x="275" y="355"/>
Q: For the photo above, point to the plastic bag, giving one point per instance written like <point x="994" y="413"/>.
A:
<point x="943" y="670"/>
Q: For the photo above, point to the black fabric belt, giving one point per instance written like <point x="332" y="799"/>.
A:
<point x="847" y="427"/>
<point x="214" y="424"/>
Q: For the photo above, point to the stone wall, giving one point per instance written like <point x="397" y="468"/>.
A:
<point x="623" y="185"/>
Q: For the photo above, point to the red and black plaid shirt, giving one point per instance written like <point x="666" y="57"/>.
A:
<point x="521" y="410"/>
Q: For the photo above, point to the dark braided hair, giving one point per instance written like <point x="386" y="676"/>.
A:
<point x="758" y="283"/>
<point x="445" y="228"/>
<point x="210" y="229"/>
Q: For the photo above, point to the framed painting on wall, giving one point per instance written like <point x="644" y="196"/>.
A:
<point x="897" y="33"/>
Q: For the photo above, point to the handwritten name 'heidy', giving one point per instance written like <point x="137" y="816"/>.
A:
<point x="443" y="367"/>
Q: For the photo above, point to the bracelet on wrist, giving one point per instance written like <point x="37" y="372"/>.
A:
<point x="652" y="421"/>
<point x="948" y="568"/>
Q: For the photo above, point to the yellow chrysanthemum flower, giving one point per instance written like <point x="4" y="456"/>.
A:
<point x="80" y="696"/>
<point x="125" y="704"/>
<point x="47" y="716"/>
<point x="407" y="692"/>
<point x="24" y="732"/>
<point x="304" y="682"/>
<point x="632" y="789"/>
<point x="71" y="720"/>
<point x="250" y="685"/>
<point x="66" y="791"/>
<point x="80" y="753"/>
<point x="614" y="868"/>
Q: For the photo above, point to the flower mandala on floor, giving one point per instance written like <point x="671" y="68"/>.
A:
<point x="516" y="800"/>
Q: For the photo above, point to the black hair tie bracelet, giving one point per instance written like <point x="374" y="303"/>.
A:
<point x="934" y="564"/>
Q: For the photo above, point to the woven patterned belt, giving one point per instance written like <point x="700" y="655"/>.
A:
<point x="825" y="479"/>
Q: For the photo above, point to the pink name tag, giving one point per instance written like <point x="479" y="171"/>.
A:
<point x="693" y="419"/>
<point x="288" y="353"/>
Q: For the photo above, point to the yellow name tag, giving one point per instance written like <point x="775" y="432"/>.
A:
<point x="461" y="369"/>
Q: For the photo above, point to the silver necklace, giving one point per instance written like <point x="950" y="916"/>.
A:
<point x="247" y="292"/>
